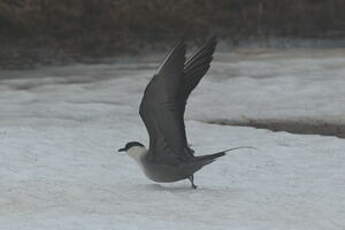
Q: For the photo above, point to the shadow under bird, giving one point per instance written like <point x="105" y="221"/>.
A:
<point x="169" y="157"/>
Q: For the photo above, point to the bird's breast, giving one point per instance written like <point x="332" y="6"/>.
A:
<point x="162" y="172"/>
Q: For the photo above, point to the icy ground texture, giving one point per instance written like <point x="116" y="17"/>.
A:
<point x="60" y="129"/>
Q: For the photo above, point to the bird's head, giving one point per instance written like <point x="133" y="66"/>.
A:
<point x="134" y="149"/>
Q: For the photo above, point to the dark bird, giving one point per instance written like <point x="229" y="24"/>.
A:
<point x="169" y="157"/>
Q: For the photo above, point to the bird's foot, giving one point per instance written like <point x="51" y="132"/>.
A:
<point x="191" y="179"/>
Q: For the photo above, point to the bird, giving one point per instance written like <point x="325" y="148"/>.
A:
<point x="169" y="157"/>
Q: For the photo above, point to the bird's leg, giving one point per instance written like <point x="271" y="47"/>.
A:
<point x="191" y="179"/>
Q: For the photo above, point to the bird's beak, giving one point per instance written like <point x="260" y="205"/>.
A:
<point x="121" y="150"/>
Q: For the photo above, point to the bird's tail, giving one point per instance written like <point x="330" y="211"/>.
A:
<point x="211" y="157"/>
<point x="207" y="159"/>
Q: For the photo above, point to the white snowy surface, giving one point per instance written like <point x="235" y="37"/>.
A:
<point x="60" y="129"/>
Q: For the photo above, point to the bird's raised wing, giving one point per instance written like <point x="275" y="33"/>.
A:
<point x="163" y="105"/>
<point x="159" y="108"/>
<point x="196" y="67"/>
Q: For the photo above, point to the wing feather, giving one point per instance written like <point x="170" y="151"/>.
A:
<point x="197" y="66"/>
<point x="159" y="108"/>
<point x="163" y="104"/>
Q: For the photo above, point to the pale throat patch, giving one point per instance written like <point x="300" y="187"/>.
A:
<point x="137" y="152"/>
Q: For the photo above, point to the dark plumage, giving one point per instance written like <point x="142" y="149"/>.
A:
<point x="169" y="158"/>
<point x="130" y="145"/>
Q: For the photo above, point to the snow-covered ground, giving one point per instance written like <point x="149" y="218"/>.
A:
<point x="60" y="128"/>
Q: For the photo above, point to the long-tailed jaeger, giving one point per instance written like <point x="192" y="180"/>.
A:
<point x="169" y="157"/>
